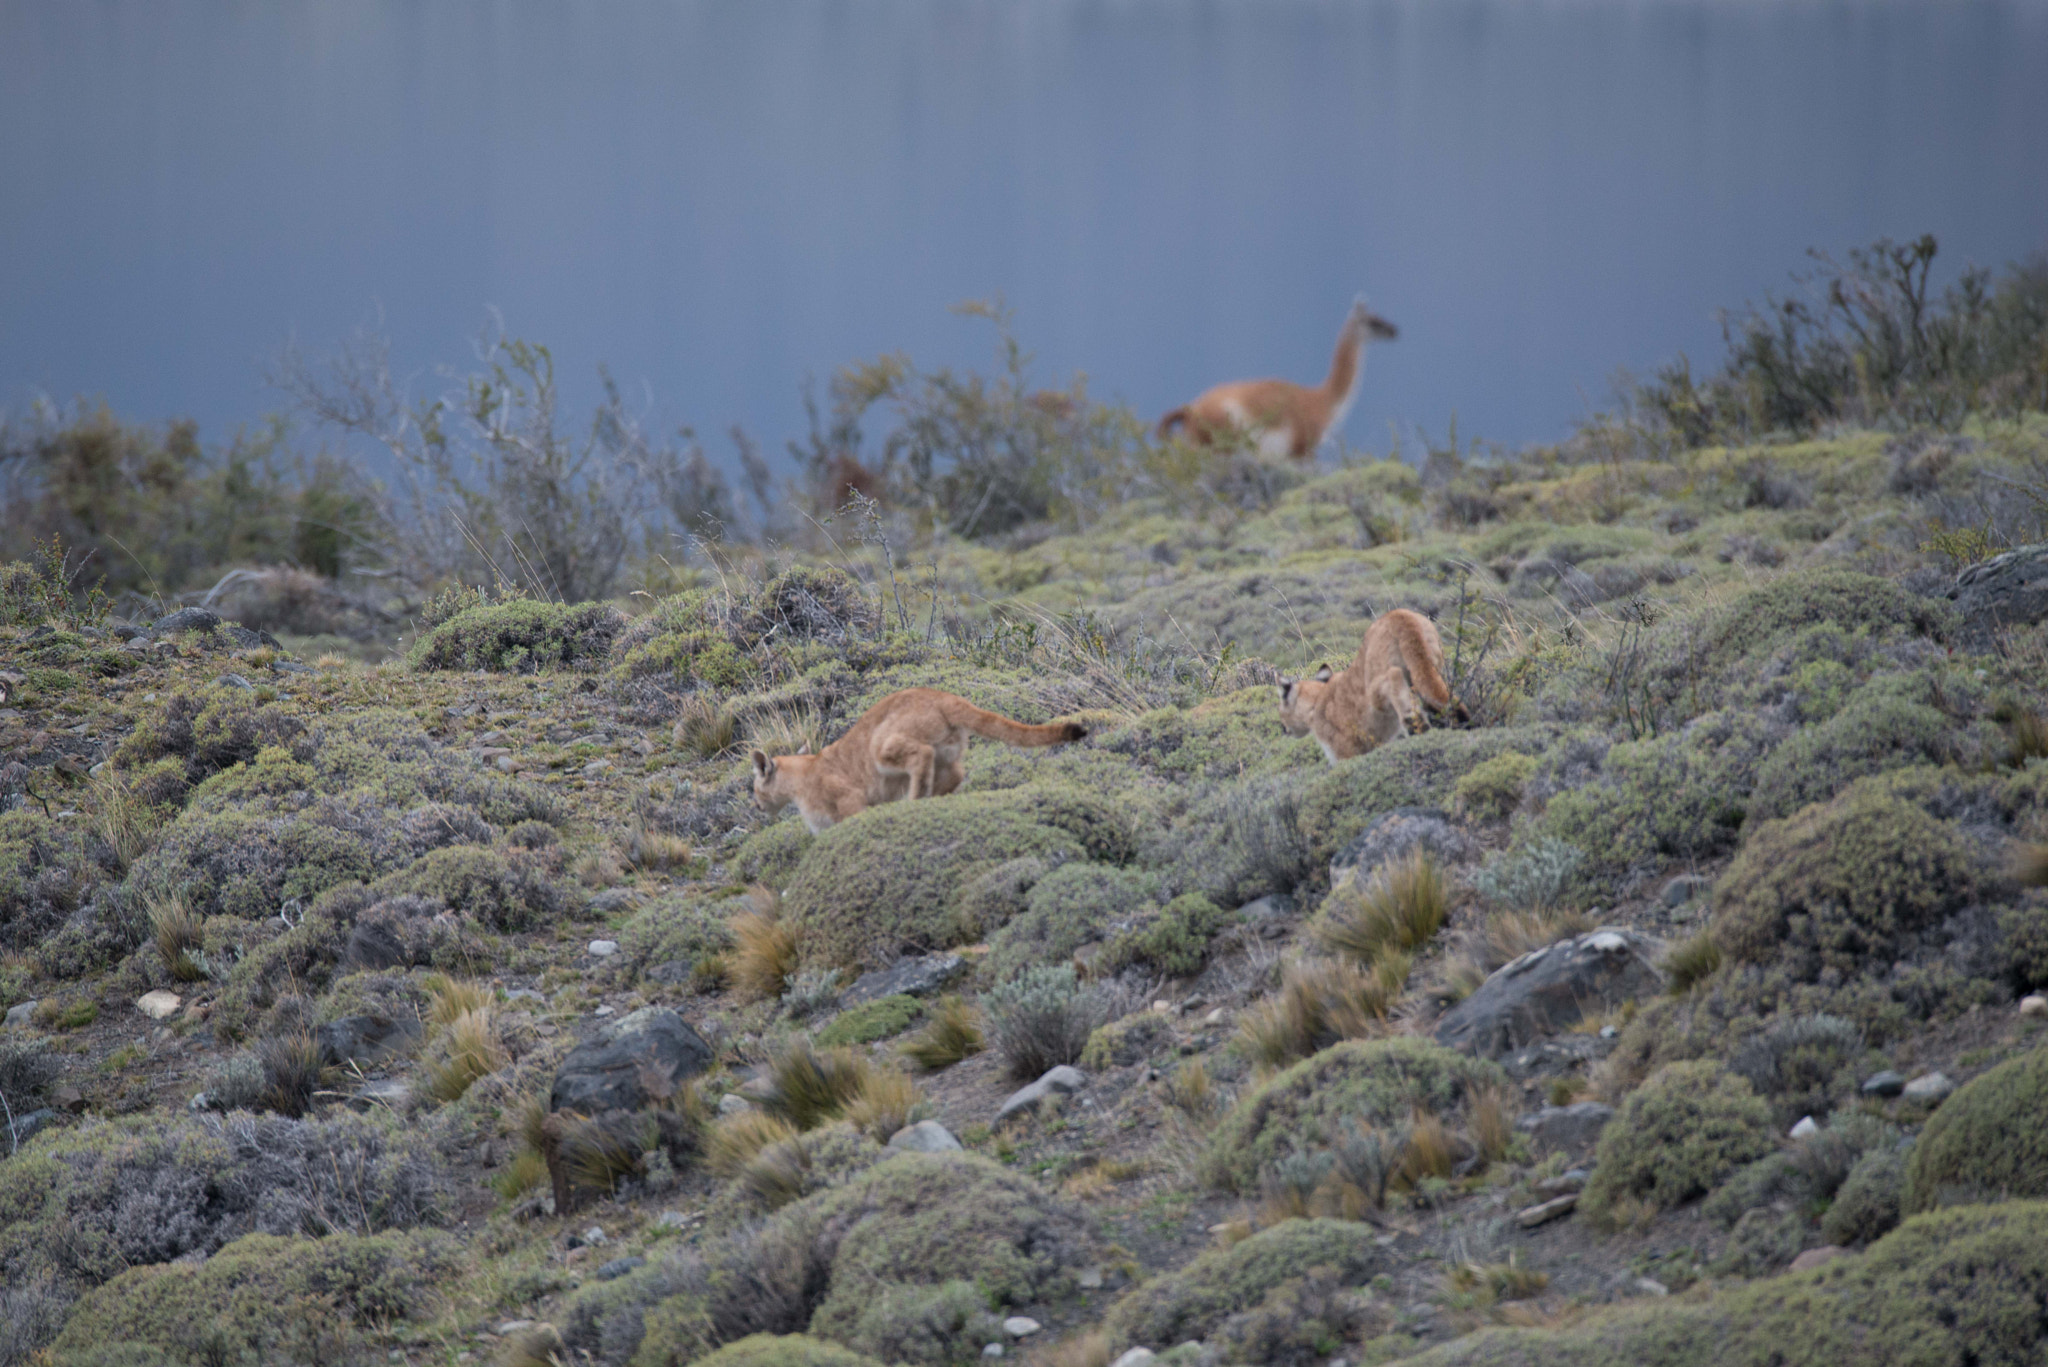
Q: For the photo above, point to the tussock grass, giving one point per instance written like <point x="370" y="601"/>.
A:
<point x="704" y="728"/>
<point x="1492" y="1123"/>
<point x="1190" y="1091"/>
<point x="764" y="953"/>
<point x="123" y="822"/>
<point x="466" y="1046"/>
<point x="291" y="1071"/>
<point x="1428" y="1152"/>
<point x="1402" y="907"/>
<point x="1692" y="961"/>
<point x="1321" y="1001"/>
<point x="887" y="1101"/>
<point x="808" y="1086"/>
<point x="597" y="1152"/>
<point x="951" y="1034"/>
<point x="1088" y="1348"/>
<point x="448" y="998"/>
<point x="174" y="929"/>
<point x="526" y="1171"/>
<point x="785" y="731"/>
<point x="734" y="1140"/>
<point x="647" y="848"/>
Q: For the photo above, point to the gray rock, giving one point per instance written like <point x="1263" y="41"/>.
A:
<point x="612" y="901"/>
<point x="525" y="994"/>
<point x="1392" y="834"/>
<point x="185" y="619"/>
<point x="33" y="1123"/>
<point x="248" y="640"/>
<point x="291" y="667"/>
<point x="597" y="766"/>
<point x="732" y="1103"/>
<point x="1551" y="989"/>
<point x="235" y="681"/>
<point x="618" y="1267"/>
<point x="991" y="1350"/>
<point x="1566" y="1129"/>
<point x="366" y="1039"/>
<point x="1806" y="1128"/>
<point x="1136" y="1357"/>
<point x="1063" y="1080"/>
<point x="604" y="949"/>
<point x="1549" y="1210"/>
<point x="19" y="1014"/>
<point x="670" y="973"/>
<point x="1684" y="888"/>
<point x="2006" y="591"/>
<point x="1928" y="1089"/>
<point x="1573" y="1180"/>
<point x="926" y="1136"/>
<point x="918" y="977"/>
<point x="1886" y="1083"/>
<point x="1021" y="1326"/>
<point x="1273" y="906"/>
<point x="613" y="1069"/>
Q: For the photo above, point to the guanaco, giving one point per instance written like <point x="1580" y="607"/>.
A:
<point x="1280" y="417"/>
<point x="1398" y="670"/>
<point x="908" y="745"/>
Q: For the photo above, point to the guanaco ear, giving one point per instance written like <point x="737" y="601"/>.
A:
<point x="804" y="749"/>
<point x="763" y="766"/>
<point x="1323" y="674"/>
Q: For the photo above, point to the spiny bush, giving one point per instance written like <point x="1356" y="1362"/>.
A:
<point x="1402" y="908"/>
<point x="1985" y="1142"/>
<point x="1310" y="1105"/>
<point x="1193" y="1301"/>
<point x="1674" y="1138"/>
<point x="27" y="1067"/>
<point x="1841" y="883"/>
<point x="1043" y="1018"/>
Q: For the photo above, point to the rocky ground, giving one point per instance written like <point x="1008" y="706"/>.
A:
<point x="462" y="1006"/>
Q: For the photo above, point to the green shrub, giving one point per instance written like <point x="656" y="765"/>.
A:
<point x="1801" y="1065"/>
<point x="1869" y="1202"/>
<point x="785" y="1350"/>
<point x="254" y="1294"/>
<point x="1843" y="600"/>
<point x="1841" y="883"/>
<point x="1986" y="1142"/>
<point x="1241" y="841"/>
<point x="522" y="636"/>
<point x="1042" y="1018"/>
<point x="1888" y="724"/>
<point x="1492" y="789"/>
<point x="881" y="1018"/>
<point x="1074" y="905"/>
<point x="215" y="730"/>
<point x="247" y="863"/>
<point x="884" y="883"/>
<point x="676" y="927"/>
<point x="1227" y="737"/>
<point x="43" y="875"/>
<point x="2023" y="931"/>
<point x="1121" y="1043"/>
<point x="1960" y="1288"/>
<point x="937" y="1325"/>
<point x="1676" y="796"/>
<point x="1192" y="1302"/>
<point x="506" y="892"/>
<point x="1674" y="1138"/>
<point x="1419" y="771"/>
<point x="1308" y="1106"/>
<point x="1176" y="941"/>
<point x="771" y="854"/>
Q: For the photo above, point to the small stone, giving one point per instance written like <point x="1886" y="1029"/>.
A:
<point x="19" y="1013"/>
<point x="1162" y="1006"/>
<point x="512" y="1327"/>
<point x="201" y="1101"/>
<point x="1216" y="1017"/>
<point x="1136" y="1357"/>
<point x="525" y="994"/>
<point x="1929" y="1088"/>
<point x="505" y="764"/>
<point x="594" y="1236"/>
<point x="1549" y="1210"/>
<point x="1684" y="888"/>
<point x="1814" y="1257"/>
<point x="1564" y="1182"/>
<point x="2034" y="1006"/>
<point x="159" y="1005"/>
<point x="235" y="681"/>
<point x="1021" y="1326"/>
<point x="604" y="949"/>
<point x="926" y="1136"/>
<point x="1650" y="1286"/>
<point x="732" y="1103"/>
<point x="1806" y="1128"/>
<point x="1608" y="1032"/>
<point x="597" y="766"/>
<point x="618" y="1267"/>
<point x="185" y="619"/>
<point x="671" y="1219"/>
<point x="992" y="1350"/>
<point x="1886" y="1083"/>
<point x="604" y="1011"/>
<point x="1090" y="1280"/>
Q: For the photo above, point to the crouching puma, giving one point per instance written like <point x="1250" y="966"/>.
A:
<point x="908" y="745"/>
<point x="1398" y="670"/>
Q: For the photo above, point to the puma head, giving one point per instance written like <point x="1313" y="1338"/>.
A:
<point x="1299" y="700"/>
<point x="769" y="792"/>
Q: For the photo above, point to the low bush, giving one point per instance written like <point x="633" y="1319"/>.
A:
<point x="1175" y="942"/>
<point x="1888" y="724"/>
<point x="1802" y="1065"/>
<point x="1870" y="1200"/>
<point x="882" y="1018"/>
<point x="1308" y="1106"/>
<point x="1840" y="884"/>
<point x="771" y="854"/>
<point x="1122" y="1043"/>
<point x="1985" y="1143"/>
<point x="1419" y="771"/>
<point x="504" y="891"/>
<point x="1195" y="1300"/>
<point x="1676" y="1137"/>
<point x="1043" y="1017"/>
<point x="786" y="1350"/>
<point x="523" y="636"/>
<point x="1538" y="876"/>
<point x="676" y="928"/>
<point x="1074" y="905"/>
<point x="1492" y="789"/>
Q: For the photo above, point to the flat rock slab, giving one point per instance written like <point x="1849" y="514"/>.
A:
<point x="1928" y="1089"/>
<point x="1393" y="834"/>
<point x="1551" y="989"/>
<point x="1566" y="1129"/>
<point x="918" y="977"/>
<point x="1886" y="1083"/>
<point x="2006" y="591"/>
<point x="1063" y="1080"/>
<point x="627" y="1064"/>
<point x="1550" y="1210"/>
<point x="185" y="619"/>
<point x="366" y="1039"/>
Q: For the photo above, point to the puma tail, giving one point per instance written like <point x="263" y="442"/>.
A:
<point x="996" y="726"/>
<point x="1426" y="672"/>
<point x="1178" y="417"/>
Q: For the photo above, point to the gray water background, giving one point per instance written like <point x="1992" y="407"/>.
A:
<point x="720" y="199"/>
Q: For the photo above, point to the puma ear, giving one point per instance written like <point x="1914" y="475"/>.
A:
<point x="763" y="766"/>
<point x="1323" y="674"/>
<point x="1286" y="691"/>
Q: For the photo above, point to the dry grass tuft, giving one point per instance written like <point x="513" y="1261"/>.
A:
<point x="1191" y="1092"/>
<point x="291" y="1072"/>
<point x="887" y="1101"/>
<point x="1402" y="907"/>
<point x="808" y="1087"/>
<point x="2030" y="865"/>
<point x="1428" y="1153"/>
<point x="449" y="998"/>
<point x="704" y="728"/>
<point x="467" y="1046"/>
<point x="1493" y="1126"/>
<point x="785" y="731"/>
<point x="1692" y="961"/>
<point x="1321" y="1001"/>
<point x="735" y="1140"/>
<point x="1089" y="1348"/>
<point x="596" y="1153"/>
<point x="123" y="822"/>
<point x="952" y="1033"/>
<point x="174" y="927"/>
<point x="764" y="954"/>
<point x="651" y="849"/>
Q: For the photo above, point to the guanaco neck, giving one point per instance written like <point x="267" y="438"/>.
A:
<point x="1344" y="365"/>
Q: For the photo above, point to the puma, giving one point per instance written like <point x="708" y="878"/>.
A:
<point x="1398" y="670"/>
<point x="908" y="745"/>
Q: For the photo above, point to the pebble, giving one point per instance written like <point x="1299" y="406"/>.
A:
<point x="506" y="764"/>
<point x="1162" y="1006"/>
<point x="732" y="1103"/>
<point x="1929" y="1088"/>
<point x="1090" y="1280"/>
<point x="671" y="1219"/>
<point x="926" y="1136"/>
<point x="235" y="681"/>
<point x="1021" y="1326"/>
<point x="594" y="1235"/>
<point x="604" y="949"/>
<point x="1216" y="1017"/>
<point x="597" y="766"/>
<point x="603" y="1011"/>
<point x="1886" y="1083"/>
<point x="992" y="1350"/>
<point x="1806" y="1128"/>
<point x="1136" y="1357"/>
<point x="513" y="1327"/>
<point x="2034" y="1006"/>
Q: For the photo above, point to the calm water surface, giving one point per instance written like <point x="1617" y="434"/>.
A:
<point x="717" y="200"/>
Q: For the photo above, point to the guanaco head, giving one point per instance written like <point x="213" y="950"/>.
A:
<point x="1371" y="323"/>
<point x="1299" y="699"/>
<point x="775" y="778"/>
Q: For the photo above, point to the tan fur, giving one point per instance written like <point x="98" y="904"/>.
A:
<point x="1277" y="415"/>
<point x="1399" y="670"/>
<point x="908" y="745"/>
